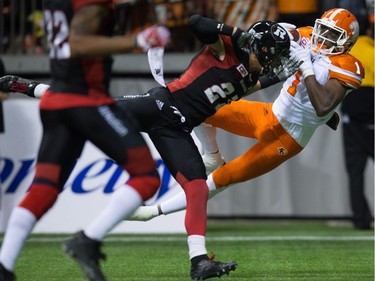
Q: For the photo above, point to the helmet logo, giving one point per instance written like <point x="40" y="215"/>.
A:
<point x="280" y="32"/>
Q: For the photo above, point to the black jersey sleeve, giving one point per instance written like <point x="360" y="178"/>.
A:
<point x="207" y="30"/>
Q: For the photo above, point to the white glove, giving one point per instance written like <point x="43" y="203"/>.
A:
<point x="154" y="36"/>
<point x="302" y="55"/>
<point x="212" y="161"/>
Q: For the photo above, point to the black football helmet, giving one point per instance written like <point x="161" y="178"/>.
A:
<point x="270" y="43"/>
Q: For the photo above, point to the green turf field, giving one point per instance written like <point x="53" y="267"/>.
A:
<point x="264" y="250"/>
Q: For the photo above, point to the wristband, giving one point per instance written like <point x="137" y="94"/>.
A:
<point x="308" y="72"/>
<point x="225" y="29"/>
<point x="306" y="69"/>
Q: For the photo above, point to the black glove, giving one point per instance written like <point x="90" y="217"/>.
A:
<point x="15" y="84"/>
<point x="288" y="67"/>
<point x="244" y="41"/>
<point x="333" y="123"/>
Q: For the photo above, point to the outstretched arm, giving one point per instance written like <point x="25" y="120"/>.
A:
<point x="208" y="30"/>
<point x="85" y="38"/>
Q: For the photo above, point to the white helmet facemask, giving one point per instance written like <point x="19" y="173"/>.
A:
<point x="327" y="38"/>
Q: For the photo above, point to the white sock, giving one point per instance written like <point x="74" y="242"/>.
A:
<point x="197" y="246"/>
<point x="212" y="187"/>
<point x="210" y="183"/>
<point x="207" y="136"/>
<point x="124" y="202"/>
<point x="20" y="225"/>
<point x="174" y="204"/>
<point x="40" y="90"/>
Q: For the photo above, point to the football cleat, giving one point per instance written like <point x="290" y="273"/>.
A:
<point x="208" y="268"/>
<point x="6" y="275"/>
<point x="86" y="252"/>
<point x="144" y="213"/>
<point x="15" y="84"/>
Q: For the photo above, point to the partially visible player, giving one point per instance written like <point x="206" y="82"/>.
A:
<point x="75" y="109"/>
<point x="307" y="100"/>
<point x="227" y="68"/>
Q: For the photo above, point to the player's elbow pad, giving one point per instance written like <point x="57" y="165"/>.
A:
<point x="204" y="29"/>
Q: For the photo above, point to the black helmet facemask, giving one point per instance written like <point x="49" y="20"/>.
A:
<point x="270" y="43"/>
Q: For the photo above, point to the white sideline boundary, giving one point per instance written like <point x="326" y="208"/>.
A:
<point x="223" y="239"/>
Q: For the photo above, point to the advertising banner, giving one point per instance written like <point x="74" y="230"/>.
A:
<point x="87" y="191"/>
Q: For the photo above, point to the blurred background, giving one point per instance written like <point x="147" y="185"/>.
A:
<point x="314" y="184"/>
<point x="21" y="21"/>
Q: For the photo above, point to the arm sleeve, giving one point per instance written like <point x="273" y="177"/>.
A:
<point x="207" y="30"/>
<point x="268" y="80"/>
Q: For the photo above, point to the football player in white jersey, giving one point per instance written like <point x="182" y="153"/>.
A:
<point x="307" y="100"/>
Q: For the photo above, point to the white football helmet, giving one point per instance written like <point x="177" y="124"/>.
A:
<point x="335" y="32"/>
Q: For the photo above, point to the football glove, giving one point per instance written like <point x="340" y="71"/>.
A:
<point x="334" y="122"/>
<point x="287" y="68"/>
<point x="302" y="55"/>
<point x="245" y="40"/>
<point x="154" y="36"/>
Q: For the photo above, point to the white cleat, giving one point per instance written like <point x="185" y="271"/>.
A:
<point x="144" y="213"/>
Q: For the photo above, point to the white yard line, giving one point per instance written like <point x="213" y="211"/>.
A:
<point x="223" y="238"/>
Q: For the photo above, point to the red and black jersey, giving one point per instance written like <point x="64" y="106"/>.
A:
<point x="209" y="83"/>
<point x="75" y="81"/>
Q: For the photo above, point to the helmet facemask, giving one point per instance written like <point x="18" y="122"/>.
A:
<point x="328" y="39"/>
<point x="270" y="43"/>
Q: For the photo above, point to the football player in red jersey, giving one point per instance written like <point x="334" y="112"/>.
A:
<point x="76" y="108"/>
<point x="227" y="68"/>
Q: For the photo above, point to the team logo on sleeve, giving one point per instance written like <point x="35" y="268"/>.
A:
<point x="242" y="70"/>
<point x="282" y="151"/>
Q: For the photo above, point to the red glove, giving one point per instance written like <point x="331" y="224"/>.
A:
<point x="154" y="36"/>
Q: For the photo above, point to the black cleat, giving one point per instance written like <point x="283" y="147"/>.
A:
<point x="15" y="84"/>
<point x="86" y="252"/>
<point x="6" y="275"/>
<point x="208" y="268"/>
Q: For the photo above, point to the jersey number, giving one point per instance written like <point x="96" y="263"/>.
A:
<point x="223" y="91"/>
<point x="57" y="28"/>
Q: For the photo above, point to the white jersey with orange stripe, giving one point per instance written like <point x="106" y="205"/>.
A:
<point x="293" y="107"/>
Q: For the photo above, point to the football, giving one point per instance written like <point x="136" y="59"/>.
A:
<point x="295" y="34"/>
